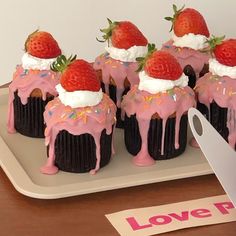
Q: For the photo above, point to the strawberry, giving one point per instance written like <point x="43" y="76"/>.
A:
<point x="185" y="21"/>
<point x="123" y="34"/>
<point x="42" y="45"/>
<point x="160" y="64"/>
<point x="76" y="74"/>
<point x="223" y="50"/>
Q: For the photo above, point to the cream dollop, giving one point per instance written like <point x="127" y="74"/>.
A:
<point x="155" y="85"/>
<point x="35" y="63"/>
<point x="217" y="68"/>
<point x="194" y="41"/>
<point x="79" y="98"/>
<point x="128" y="55"/>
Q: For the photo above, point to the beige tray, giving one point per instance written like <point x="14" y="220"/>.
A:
<point x="21" y="157"/>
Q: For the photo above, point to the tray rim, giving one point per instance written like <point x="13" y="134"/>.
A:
<point x="23" y="184"/>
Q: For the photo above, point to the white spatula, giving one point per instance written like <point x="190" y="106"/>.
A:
<point x="221" y="157"/>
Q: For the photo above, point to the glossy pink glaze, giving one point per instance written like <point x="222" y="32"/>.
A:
<point x="25" y="81"/>
<point x="92" y="120"/>
<point x="187" y="56"/>
<point x="223" y="91"/>
<point x="145" y="105"/>
<point x="117" y="70"/>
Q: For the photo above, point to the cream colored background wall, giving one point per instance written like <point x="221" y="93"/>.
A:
<point x="75" y="23"/>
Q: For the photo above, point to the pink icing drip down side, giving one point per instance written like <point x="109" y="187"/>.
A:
<point x="187" y="56"/>
<point x="223" y="91"/>
<point x="92" y="120"/>
<point x="143" y="158"/>
<point x="145" y="105"/>
<point x="118" y="71"/>
<point x="24" y="82"/>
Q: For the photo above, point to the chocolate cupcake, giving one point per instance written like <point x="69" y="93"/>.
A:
<point x="79" y="122"/>
<point x="33" y="85"/>
<point x="216" y="91"/>
<point x="156" y="110"/>
<point x="188" y="43"/>
<point x="117" y="67"/>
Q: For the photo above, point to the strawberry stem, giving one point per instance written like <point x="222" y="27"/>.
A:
<point x="62" y="63"/>
<point x="107" y="31"/>
<point x="142" y="60"/>
<point x="214" y="41"/>
<point x="174" y="17"/>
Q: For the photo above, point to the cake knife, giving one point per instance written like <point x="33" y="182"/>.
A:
<point x="221" y="157"/>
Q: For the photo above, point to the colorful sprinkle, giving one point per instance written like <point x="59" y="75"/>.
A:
<point x="214" y="77"/>
<point x="126" y="64"/>
<point x="43" y="75"/>
<point x="25" y="72"/>
<point x="108" y="62"/>
<point x="170" y="92"/>
<point x="73" y="115"/>
<point x="174" y="97"/>
<point x="106" y="55"/>
<point x="224" y="91"/>
<point x="63" y="115"/>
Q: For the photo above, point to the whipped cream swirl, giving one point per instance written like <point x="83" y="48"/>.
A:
<point x="155" y="85"/>
<point x="217" y="68"/>
<point x="82" y="98"/>
<point x="128" y="55"/>
<point x="194" y="41"/>
<point x="35" y="63"/>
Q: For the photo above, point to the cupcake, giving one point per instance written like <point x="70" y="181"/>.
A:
<point x="79" y="122"/>
<point x="188" y="42"/>
<point x="33" y="85"/>
<point x="155" y="126"/>
<point x="117" y="67"/>
<point x="216" y="90"/>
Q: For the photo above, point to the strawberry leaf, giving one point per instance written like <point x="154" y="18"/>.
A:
<point x="142" y="60"/>
<point x="176" y="14"/>
<point x="214" y="41"/>
<point x="62" y="63"/>
<point x="108" y="31"/>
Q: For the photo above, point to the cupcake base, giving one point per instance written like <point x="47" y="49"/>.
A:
<point x="28" y="118"/>
<point x="77" y="153"/>
<point x="189" y="71"/>
<point x="217" y="117"/>
<point x="133" y="138"/>
<point x="112" y="95"/>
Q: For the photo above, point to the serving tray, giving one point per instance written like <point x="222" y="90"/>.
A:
<point x="21" y="157"/>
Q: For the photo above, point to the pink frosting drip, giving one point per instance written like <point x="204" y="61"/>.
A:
<point x="187" y="56"/>
<point x="92" y="120"/>
<point x="117" y="70"/>
<point x="223" y="91"/>
<point x="175" y="101"/>
<point x="25" y="81"/>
